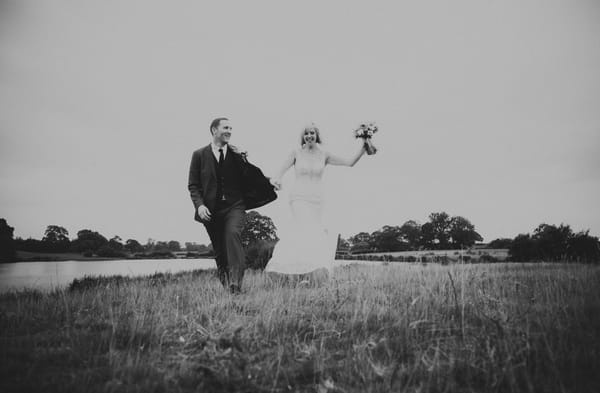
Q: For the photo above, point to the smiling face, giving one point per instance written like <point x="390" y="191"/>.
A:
<point x="222" y="133"/>
<point x="310" y="136"/>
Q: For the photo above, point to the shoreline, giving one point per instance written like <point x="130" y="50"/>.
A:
<point x="27" y="256"/>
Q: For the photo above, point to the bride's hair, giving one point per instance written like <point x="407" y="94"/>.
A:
<point x="311" y="126"/>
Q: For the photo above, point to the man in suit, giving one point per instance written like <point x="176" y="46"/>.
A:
<point x="222" y="186"/>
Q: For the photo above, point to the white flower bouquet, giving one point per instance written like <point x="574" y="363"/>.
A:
<point x="366" y="131"/>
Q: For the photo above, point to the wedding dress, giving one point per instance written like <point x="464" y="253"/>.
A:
<point x="307" y="246"/>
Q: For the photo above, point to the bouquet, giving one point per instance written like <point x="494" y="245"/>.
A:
<point x="366" y="131"/>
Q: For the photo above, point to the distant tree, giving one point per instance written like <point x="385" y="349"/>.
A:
<point x="523" y="248"/>
<point x="258" y="227"/>
<point x="410" y="233"/>
<point x="441" y="223"/>
<point x="196" y="247"/>
<point x="387" y="239"/>
<point x="56" y="239"/>
<point x="174" y="245"/>
<point x="360" y="247"/>
<point x="31" y="245"/>
<point x="500" y="243"/>
<point x="7" y="244"/>
<point x="55" y="234"/>
<point x="552" y="241"/>
<point x="361" y="237"/>
<point x="133" y="246"/>
<point x="428" y="237"/>
<point x="462" y="233"/>
<point x="150" y="244"/>
<point x="116" y="243"/>
<point x="88" y="241"/>
<point x="584" y="248"/>
<point x="161" y="247"/>
<point x="107" y="251"/>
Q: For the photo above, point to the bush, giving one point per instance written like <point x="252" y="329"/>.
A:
<point x="259" y="253"/>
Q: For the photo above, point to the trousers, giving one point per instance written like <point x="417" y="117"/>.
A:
<point x="225" y="232"/>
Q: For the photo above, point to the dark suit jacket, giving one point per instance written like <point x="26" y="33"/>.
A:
<point x="202" y="181"/>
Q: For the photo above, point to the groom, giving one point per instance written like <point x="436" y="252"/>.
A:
<point x="223" y="185"/>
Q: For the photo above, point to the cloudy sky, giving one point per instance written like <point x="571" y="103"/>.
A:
<point x="488" y="110"/>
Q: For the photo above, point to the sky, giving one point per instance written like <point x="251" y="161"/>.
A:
<point x="486" y="110"/>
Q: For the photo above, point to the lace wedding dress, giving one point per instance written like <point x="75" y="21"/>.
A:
<point x="307" y="246"/>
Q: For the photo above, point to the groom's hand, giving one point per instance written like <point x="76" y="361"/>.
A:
<point x="203" y="213"/>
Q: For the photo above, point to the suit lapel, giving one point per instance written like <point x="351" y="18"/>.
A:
<point x="209" y="160"/>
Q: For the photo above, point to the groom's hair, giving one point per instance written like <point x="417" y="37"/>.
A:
<point x="215" y="123"/>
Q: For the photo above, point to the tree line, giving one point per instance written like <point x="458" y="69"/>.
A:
<point x="441" y="232"/>
<point x="88" y="243"/>
<point x="547" y="242"/>
<point x="551" y="243"/>
<point x="258" y="237"/>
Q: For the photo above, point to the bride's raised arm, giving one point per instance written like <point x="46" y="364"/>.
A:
<point x="335" y="160"/>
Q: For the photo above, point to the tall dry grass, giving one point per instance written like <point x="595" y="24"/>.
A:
<point x="402" y="327"/>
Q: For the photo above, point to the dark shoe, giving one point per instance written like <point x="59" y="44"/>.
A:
<point x="235" y="289"/>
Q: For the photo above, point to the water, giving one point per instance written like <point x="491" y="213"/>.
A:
<point x="49" y="275"/>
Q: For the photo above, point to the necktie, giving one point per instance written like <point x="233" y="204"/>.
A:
<point x="220" y="194"/>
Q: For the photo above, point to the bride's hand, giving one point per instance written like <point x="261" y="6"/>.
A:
<point x="276" y="184"/>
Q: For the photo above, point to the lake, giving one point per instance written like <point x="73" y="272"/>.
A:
<point x="49" y="275"/>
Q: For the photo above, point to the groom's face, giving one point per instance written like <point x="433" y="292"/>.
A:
<point x="222" y="133"/>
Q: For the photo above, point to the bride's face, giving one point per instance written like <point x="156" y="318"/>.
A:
<point x="310" y="136"/>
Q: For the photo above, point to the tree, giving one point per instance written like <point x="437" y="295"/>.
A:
<point x="500" y="243"/>
<point x="196" y="247"/>
<point x="440" y="225"/>
<point x="410" y="233"/>
<point x="133" y="246"/>
<point x="55" y="234"/>
<point x="174" y="245"/>
<point x="88" y="240"/>
<point x="116" y="243"/>
<point x="427" y="239"/>
<point x="361" y="237"/>
<point x="258" y="227"/>
<point x="523" y="248"/>
<point x="552" y="241"/>
<point x="7" y="244"/>
<point x="161" y="247"/>
<point x="150" y="244"/>
<point x="387" y="239"/>
<point x="56" y="239"/>
<point x="584" y="248"/>
<point x="462" y="232"/>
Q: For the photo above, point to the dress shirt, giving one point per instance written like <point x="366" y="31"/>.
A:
<point x="215" y="150"/>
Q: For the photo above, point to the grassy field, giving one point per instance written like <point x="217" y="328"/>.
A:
<point x="402" y="328"/>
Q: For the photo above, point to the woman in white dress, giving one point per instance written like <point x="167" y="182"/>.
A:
<point x="307" y="249"/>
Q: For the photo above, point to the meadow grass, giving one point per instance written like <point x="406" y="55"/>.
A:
<point x="401" y="328"/>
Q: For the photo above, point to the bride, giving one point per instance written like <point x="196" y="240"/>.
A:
<point x="307" y="249"/>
